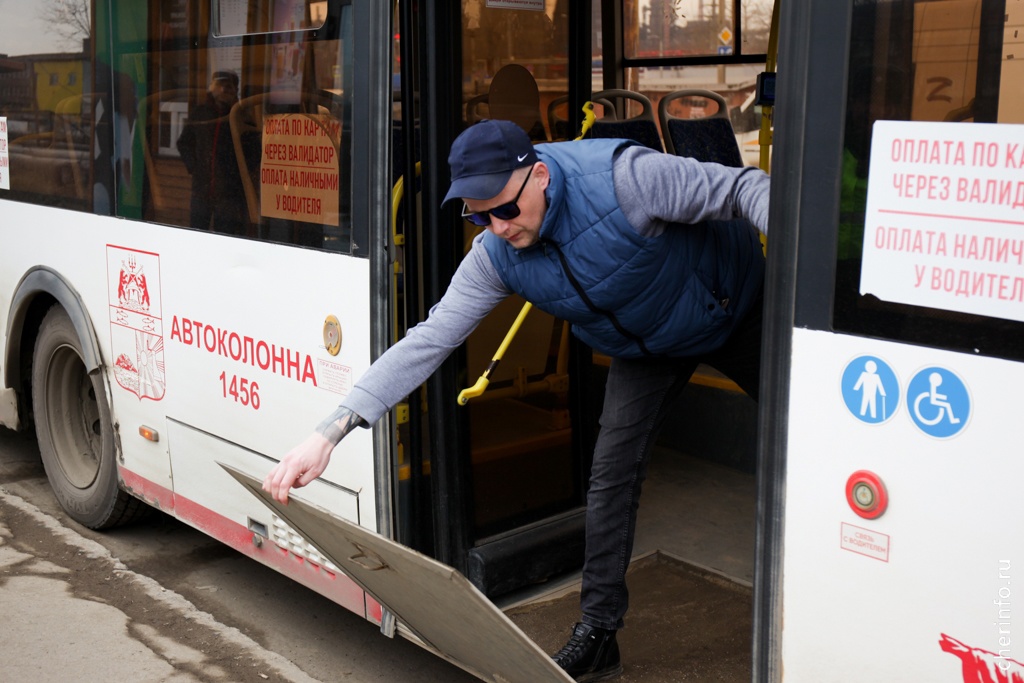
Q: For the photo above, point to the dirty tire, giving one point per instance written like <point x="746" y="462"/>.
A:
<point x="73" y="426"/>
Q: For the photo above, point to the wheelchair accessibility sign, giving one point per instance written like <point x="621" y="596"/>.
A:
<point x="870" y="389"/>
<point x="937" y="399"/>
<point x="938" y="402"/>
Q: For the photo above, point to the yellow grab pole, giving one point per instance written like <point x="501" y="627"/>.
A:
<point x="397" y="194"/>
<point x="485" y="379"/>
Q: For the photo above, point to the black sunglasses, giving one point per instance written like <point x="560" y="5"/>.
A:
<point x="505" y="212"/>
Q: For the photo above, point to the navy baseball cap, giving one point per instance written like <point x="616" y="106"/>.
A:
<point x="483" y="157"/>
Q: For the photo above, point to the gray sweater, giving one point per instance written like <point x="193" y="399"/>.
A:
<point x="653" y="189"/>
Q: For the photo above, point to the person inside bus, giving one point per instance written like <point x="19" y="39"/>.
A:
<point x="656" y="262"/>
<point x="218" y="197"/>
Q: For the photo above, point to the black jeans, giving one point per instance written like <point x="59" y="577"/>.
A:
<point x="636" y="395"/>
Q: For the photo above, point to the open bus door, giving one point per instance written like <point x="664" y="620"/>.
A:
<point x="494" y="488"/>
<point x="890" y="525"/>
<point x="435" y="602"/>
<point x="507" y="499"/>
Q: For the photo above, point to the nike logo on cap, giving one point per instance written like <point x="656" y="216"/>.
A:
<point x="522" y="157"/>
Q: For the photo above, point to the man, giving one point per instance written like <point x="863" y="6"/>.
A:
<point x="206" y="147"/>
<point x="643" y="253"/>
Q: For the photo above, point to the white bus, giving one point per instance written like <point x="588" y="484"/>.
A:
<point x="211" y="222"/>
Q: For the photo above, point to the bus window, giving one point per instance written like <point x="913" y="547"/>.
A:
<point x="54" y="105"/>
<point x="247" y="133"/>
<point x="672" y="49"/>
<point x="515" y="65"/>
<point x="234" y="19"/>
<point x="670" y="28"/>
<point x="937" y="70"/>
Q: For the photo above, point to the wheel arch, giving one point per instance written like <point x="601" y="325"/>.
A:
<point x="38" y="289"/>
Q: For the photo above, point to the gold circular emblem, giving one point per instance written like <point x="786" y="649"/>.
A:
<point x="332" y="335"/>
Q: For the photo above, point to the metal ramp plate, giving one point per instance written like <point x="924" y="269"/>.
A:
<point x="434" y="601"/>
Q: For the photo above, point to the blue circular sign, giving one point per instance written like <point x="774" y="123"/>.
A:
<point x="870" y="389"/>
<point x="938" y="402"/>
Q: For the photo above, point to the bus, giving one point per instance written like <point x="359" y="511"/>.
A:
<point x="214" y="214"/>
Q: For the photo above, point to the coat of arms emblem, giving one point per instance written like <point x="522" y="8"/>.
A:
<point x="136" y="324"/>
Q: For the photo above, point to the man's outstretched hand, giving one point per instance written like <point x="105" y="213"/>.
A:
<point x="301" y="465"/>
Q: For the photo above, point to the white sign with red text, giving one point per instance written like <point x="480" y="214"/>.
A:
<point x="864" y="542"/>
<point x="299" y="175"/>
<point x="944" y="226"/>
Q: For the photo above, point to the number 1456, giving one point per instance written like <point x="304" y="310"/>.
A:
<point x="240" y="389"/>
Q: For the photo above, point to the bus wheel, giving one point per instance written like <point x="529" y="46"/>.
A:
<point x="76" y="437"/>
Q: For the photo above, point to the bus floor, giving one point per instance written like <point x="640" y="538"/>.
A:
<point x="690" y="579"/>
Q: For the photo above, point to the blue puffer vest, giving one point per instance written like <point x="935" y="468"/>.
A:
<point x="681" y="292"/>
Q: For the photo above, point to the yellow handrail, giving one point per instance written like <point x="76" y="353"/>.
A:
<point x="485" y="378"/>
<point x="397" y="193"/>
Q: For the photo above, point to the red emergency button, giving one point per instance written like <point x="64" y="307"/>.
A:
<point x="866" y="494"/>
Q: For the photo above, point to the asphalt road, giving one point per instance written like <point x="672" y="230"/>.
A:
<point x="188" y="594"/>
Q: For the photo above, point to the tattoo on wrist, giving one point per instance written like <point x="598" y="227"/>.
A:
<point x="338" y="424"/>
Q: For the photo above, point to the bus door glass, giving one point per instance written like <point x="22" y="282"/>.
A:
<point x="515" y="67"/>
<point x="902" y="525"/>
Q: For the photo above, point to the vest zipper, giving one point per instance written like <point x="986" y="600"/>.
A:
<point x="590" y="304"/>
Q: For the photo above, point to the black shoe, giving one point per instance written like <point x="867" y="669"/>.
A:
<point x="590" y="655"/>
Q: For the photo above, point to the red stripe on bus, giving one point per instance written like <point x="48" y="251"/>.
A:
<point x="335" y="586"/>
<point x="158" y="496"/>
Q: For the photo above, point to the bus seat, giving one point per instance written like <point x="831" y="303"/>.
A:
<point x="705" y="138"/>
<point x="513" y="95"/>
<point x="643" y="127"/>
